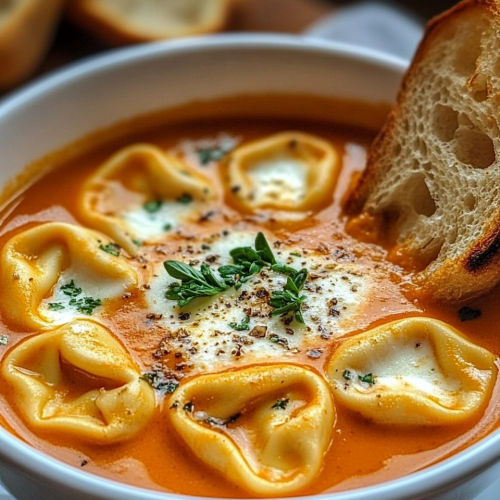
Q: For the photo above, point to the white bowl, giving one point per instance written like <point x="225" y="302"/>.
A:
<point x="104" y="90"/>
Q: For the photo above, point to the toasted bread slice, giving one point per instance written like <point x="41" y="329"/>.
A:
<point x="123" y="22"/>
<point x="434" y="170"/>
<point x="26" y="29"/>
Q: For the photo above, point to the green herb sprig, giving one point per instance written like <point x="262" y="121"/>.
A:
<point x="194" y="283"/>
<point x="289" y="300"/>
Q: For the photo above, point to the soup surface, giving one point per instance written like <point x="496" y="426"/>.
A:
<point x="240" y="325"/>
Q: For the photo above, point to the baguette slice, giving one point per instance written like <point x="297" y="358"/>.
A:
<point x="26" y="29"/>
<point x="122" y="22"/>
<point x="434" y="170"/>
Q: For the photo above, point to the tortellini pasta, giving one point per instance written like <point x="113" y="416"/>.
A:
<point x="290" y="171"/>
<point x="265" y="428"/>
<point x="36" y="260"/>
<point x="140" y="193"/>
<point x="413" y="371"/>
<point x="80" y="381"/>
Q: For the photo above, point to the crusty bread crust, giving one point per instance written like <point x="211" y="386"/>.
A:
<point x="461" y="254"/>
<point x="25" y="37"/>
<point x="94" y="16"/>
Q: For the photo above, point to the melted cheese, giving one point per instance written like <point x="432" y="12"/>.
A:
<point x="290" y="171"/>
<point x="117" y="403"/>
<point x="202" y="329"/>
<point x="265" y="428"/>
<point x="115" y="196"/>
<point x="37" y="262"/>
<point x="422" y="371"/>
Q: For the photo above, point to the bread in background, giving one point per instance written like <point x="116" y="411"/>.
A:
<point x="26" y="30"/>
<point x="433" y="173"/>
<point x="122" y="22"/>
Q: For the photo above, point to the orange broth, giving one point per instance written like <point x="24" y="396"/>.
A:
<point x="361" y="453"/>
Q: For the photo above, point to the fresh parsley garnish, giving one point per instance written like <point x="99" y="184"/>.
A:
<point x="247" y="262"/>
<point x="137" y="243"/>
<point x="194" y="283"/>
<point x="367" y="379"/>
<point x="153" y="206"/>
<point x="296" y="254"/>
<point x="185" y="199"/>
<point x="208" y="155"/>
<point x="85" y="305"/>
<point x="162" y="384"/>
<point x="240" y="327"/>
<point x="71" y="289"/>
<point x="468" y="313"/>
<point x="4" y="339"/>
<point x="167" y="227"/>
<point x="347" y="375"/>
<point x="111" y="248"/>
<point x="289" y="300"/>
<point x="55" y="306"/>
<point x="281" y="404"/>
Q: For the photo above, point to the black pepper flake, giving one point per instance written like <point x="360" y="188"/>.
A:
<point x="418" y="344"/>
<point x="83" y="463"/>
<point x="184" y="316"/>
<point x="333" y="312"/>
<point x="175" y="405"/>
<point x="188" y="407"/>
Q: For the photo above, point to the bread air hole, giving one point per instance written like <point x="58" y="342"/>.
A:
<point x="420" y="196"/>
<point x="445" y="122"/>
<point x="474" y="148"/>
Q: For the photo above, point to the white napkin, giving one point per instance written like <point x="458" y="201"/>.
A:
<point x="378" y="25"/>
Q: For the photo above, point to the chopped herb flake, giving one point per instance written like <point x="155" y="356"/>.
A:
<point x="367" y="379"/>
<point x="281" y="404"/>
<point x="71" y="289"/>
<point x="347" y="375"/>
<point x="152" y="206"/>
<point x="296" y="254"/>
<point x="162" y="384"/>
<point x="468" y="313"/>
<point x="208" y="155"/>
<point x="244" y="325"/>
<point x="85" y="305"/>
<point x="4" y="339"/>
<point x="111" y="248"/>
<point x="167" y="227"/>
<point x="55" y="306"/>
<point x="137" y="243"/>
<point x="185" y="199"/>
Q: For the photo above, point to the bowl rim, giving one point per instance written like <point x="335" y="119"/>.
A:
<point x="456" y="469"/>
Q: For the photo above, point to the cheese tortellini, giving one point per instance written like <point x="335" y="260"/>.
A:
<point x="79" y="380"/>
<point x="142" y="193"/>
<point x="36" y="261"/>
<point x="413" y="371"/>
<point x="290" y="171"/>
<point x="265" y="428"/>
